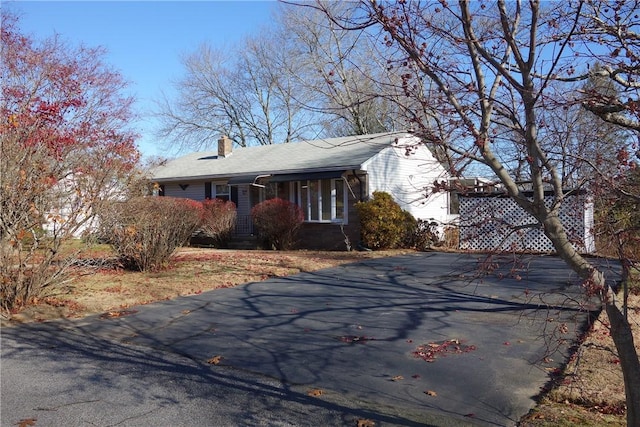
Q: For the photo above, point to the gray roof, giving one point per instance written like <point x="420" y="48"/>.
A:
<point x="320" y="155"/>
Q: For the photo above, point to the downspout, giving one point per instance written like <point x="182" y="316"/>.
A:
<point x="360" y="246"/>
<point x="355" y="175"/>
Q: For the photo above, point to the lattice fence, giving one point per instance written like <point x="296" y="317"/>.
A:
<point x="496" y="222"/>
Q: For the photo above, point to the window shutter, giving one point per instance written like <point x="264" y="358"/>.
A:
<point x="207" y="190"/>
<point x="234" y="195"/>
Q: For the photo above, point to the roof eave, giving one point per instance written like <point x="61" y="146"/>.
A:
<point x="269" y="172"/>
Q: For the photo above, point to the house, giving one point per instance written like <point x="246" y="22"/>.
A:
<point x="326" y="177"/>
<point x="71" y="212"/>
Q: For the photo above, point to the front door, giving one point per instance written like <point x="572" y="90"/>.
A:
<point x="245" y="197"/>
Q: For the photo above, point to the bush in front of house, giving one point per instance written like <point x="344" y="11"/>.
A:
<point x="277" y="222"/>
<point x="425" y="236"/>
<point x="145" y="231"/>
<point x="219" y="221"/>
<point x="384" y="224"/>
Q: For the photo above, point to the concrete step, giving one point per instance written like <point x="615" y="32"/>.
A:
<point x="243" y="242"/>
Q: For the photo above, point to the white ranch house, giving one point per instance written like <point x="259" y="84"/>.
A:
<point x="326" y="177"/>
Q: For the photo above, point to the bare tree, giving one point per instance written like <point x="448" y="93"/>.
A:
<point x="584" y="148"/>
<point x="303" y="78"/>
<point x="611" y="33"/>
<point x="205" y="107"/>
<point x="339" y="75"/>
<point x="244" y="95"/>
<point x="492" y="65"/>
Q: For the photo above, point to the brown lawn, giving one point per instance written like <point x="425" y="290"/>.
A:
<point x="591" y="391"/>
<point x="93" y="290"/>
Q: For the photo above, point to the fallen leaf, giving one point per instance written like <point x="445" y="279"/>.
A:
<point x="363" y="422"/>
<point x="416" y="376"/>
<point x="397" y="378"/>
<point x="27" y="422"/>
<point x="430" y="393"/>
<point x="119" y="313"/>
<point x="215" y="360"/>
<point x="185" y="311"/>
<point x="315" y="392"/>
<point x="430" y="351"/>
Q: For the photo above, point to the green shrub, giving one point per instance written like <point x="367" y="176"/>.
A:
<point x="219" y="221"/>
<point x="277" y="222"/>
<point x="410" y="230"/>
<point x="145" y="231"/>
<point x="383" y="224"/>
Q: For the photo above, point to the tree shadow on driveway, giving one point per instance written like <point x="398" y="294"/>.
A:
<point x="62" y="376"/>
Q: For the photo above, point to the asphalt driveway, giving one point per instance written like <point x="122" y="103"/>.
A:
<point x="421" y="339"/>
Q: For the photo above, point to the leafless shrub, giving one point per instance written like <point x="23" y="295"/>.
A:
<point x="219" y="220"/>
<point x="277" y="222"/>
<point x="145" y="231"/>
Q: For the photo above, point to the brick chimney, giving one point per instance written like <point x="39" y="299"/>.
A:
<point x="225" y="145"/>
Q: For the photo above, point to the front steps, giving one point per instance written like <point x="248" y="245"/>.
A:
<point x="247" y="242"/>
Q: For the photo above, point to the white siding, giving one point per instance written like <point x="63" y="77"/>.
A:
<point x="407" y="171"/>
<point x="244" y="203"/>
<point x="589" y="233"/>
<point x="195" y="190"/>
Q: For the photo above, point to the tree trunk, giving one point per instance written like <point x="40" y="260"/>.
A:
<point x="623" y="339"/>
<point x="620" y="329"/>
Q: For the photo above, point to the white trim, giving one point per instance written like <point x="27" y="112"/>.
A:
<point x="214" y="190"/>
<point x="307" y="208"/>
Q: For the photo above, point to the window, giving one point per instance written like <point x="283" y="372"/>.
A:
<point x="454" y="202"/>
<point x="321" y="200"/>
<point x="216" y="191"/>
<point x="277" y="189"/>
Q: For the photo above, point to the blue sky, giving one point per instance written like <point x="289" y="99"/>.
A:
<point x="145" y="39"/>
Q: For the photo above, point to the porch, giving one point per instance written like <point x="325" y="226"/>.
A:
<point x="244" y="226"/>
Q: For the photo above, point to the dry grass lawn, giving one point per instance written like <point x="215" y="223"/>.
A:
<point x="591" y="391"/>
<point x="94" y="290"/>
